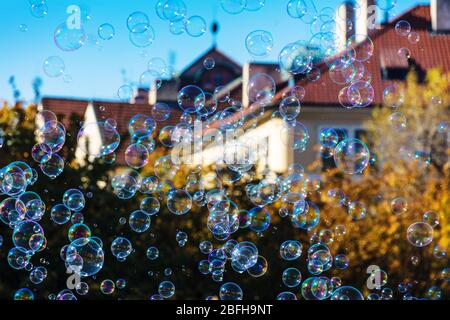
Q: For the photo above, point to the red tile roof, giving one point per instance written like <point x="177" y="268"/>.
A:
<point x="432" y="50"/>
<point x="64" y="108"/>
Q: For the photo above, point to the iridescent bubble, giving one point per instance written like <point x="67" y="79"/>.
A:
<point x="419" y="234"/>
<point x="38" y="9"/>
<point x="259" y="43"/>
<point x="413" y="38"/>
<point x="136" y="155"/>
<point x="181" y="238"/>
<point x="125" y="93"/>
<point x="403" y="28"/>
<point x="290" y="250"/>
<point x="261" y="88"/>
<point x="351" y="156"/>
<point x="295" y="135"/>
<point x="286" y="296"/>
<point x="79" y="231"/>
<point x="109" y="142"/>
<point x="138" y="22"/>
<point x="233" y="6"/>
<point x="393" y="96"/>
<point x="259" y="219"/>
<point x="230" y="291"/>
<point x="295" y="58"/>
<point x="23" y="235"/>
<point x="346" y="293"/>
<point x="90" y="253"/>
<point x="357" y="210"/>
<point x="106" y="31"/>
<point x="431" y="218"/>
<point x="150" y="205"/>
<point x="74" y="199"/>
<point x="209" y="63"/>
<point x="259" y="268"/>
<point x="174" y="10"/>
<point x="399" y="206"/>
<point x="360" y="94"/>
<point x="362" y="47"/>
<point x="254" y="5"/>
<point x="24" y="294"/>
<point x="166" y="289"/>
<point x="290" y="108"/>
<point x="107" y="286"/>
<point x="152" y="253"/>
<point x="60" y="214"/>
<point x="18" y="258"/>
<point x="68" y="39"/>
<point x="54" y="66"/>
<point x="121" y="248"/>
<point x="341" y="261"/>
<point x="329" y="138"/>
<point x="398" y="121"/>
<point x="161" y="111"/>
<point x="195" y="26"/>
<point x="291" y="277"/>
<point x="244" y="255"/>
<point x="191" y="98"/>
<point x="142" y="39"/>
<point x="179" y="202"/>
<point x="139" y="221"/>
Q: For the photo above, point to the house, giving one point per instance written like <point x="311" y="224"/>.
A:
<point x="392" y="57"/>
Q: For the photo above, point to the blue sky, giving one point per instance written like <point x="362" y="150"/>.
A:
<point x="98" y="73"/>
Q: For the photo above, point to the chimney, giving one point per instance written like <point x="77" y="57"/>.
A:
<point x="141" y="96"/>
<point x="345" y="23"/>
<point x="440" y="15"/>
<point x="366" y="18"/>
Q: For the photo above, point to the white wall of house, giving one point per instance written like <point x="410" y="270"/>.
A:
<point x="92" y="135"/>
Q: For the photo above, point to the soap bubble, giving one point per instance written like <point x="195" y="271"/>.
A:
<point x="139" y="221"/>
<point x="261" y="88"/>
<point x="351" y="156"/>
<point x="60" y="214"/>
<point x="399" y="206"/>
<point x="142" y="39"/>
<point x="161" y="111"/>
<point x="259" y="43"/>
<point x="150" y="205"/>
<point x="69" y="39"/>
<point x="121" y="248"/>
<point x="191" y="98"/>
<point x="346" y="293"/>
<point x="419" y="234"/>
<point x="136" y="155"/>
<point x="233" y="6"/>
<point x="152" y="253"/>
<point x="181" y="238"/>
<point x="290" y="250"/>
<point x="403" y="28"/>
<point x="179" y="202"/>
<point x="259" y="219"/>
<point x="174" y="10"/>
<point x="74" y="199"/>
<point x="195" y="26"/>
<point x="109" y="143"/>
<point x="291" y="277"/>
<point x="166" y="289"/>
<point x="54" y="66"/>
<point x="24" y="294"/>
<point x="209" y="63"/>
<point x="290" y="108"/>
<point x="107" y="286"/>
<point x="89" y="252"/>
<point x="106" y="31"/>
<point x="431" y="218"/>
<point x="138" y="22"/>
<point x="259" y="268"/>
<point x="79" y="231"/>
<point x="230" y="291"/>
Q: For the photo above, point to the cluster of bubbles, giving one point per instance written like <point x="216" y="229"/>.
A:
<point x="175" y="13"/>
<point x="84" y="253"/>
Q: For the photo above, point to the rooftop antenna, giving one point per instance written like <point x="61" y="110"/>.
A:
<point x="214" y="27"/>
<point x="387" y="12"/>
